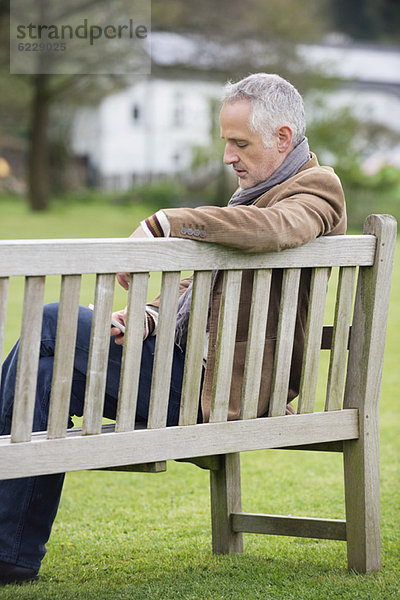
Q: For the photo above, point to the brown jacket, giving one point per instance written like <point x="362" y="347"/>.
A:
<point x="308" y="205"/>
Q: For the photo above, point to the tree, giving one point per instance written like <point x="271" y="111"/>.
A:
<point x="256" y="33"/>
<point x="248" y="28"/>
<point x="367" y="19"/>
<point x="230" y="20"/>
<point x="42" y="90"/>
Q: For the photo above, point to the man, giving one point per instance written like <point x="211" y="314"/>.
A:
<point x="284" y="199"/>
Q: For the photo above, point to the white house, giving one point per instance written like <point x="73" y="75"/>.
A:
<point x="369" y="86"/>
<point x="150" y="129"/>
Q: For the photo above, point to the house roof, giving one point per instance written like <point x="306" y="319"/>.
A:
<point x="343" y="58"/>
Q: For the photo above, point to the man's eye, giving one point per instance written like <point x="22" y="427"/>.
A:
<point x="241" y="145"/>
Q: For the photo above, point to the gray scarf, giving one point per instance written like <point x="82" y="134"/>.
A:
<point x="293" y="162"/>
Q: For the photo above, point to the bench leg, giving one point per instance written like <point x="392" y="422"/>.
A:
<point x="225" y="499"/>
<point x="361" y="472"/>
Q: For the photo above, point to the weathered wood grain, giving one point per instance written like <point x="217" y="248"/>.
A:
<point x="364" y="373"/>
<point x="98" y="355"/>
<point x="255" y="344"/>
<point x="225" y="346"/>
<point x="3" y="312"/>
<point x="333" y="529"/>
<point x="64" y="356"/>
<point x="315" y="321"/>
<point x="195" y="348"/>
<point x="163" y="353"/>
<point x="77" y="452"/>
<point x="132" y="353"/>
<point x="225" y="488"/>
<point x="340" y="337"/>
<point x="284" y="343"/>
<point x="68" y="257"/>
<point x="28" y="358"/>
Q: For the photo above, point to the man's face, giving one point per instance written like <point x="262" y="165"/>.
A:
<point x="244" y="149"/>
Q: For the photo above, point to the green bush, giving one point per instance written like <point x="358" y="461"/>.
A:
<point x="166" y="193"/>
<point x="378" y="193"/>
<point x="342" y="141"/>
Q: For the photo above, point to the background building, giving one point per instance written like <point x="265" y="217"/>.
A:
<point x="144" y="132"/>
<point x="150" y="129"/>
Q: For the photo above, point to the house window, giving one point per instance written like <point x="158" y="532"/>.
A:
<point x="176" y="158"/>
<point x="178" y="115"/>
<point x="136" y="113"/>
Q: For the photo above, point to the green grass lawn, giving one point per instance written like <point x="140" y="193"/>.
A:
<point x="143" y="536"/>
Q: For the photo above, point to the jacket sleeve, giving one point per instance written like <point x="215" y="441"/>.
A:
<point x="183" y="286"/>
<point x="310" y="206"/>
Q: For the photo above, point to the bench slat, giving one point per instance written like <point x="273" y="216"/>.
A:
<point x="154" y="467"/>
<point x="226" y="346"/>
<point x="28" y="358"/>
<point x="163" y="354"/>
<point x="64" y="356"/>
<point x="332" y="529"/>
<point x="362" y="390"/>
<point x="255" y="346"/>
<point x="284" y="345"/>
<point x="132" y="352"/>
<point x="56" y="257"/>
<point x="315" y="321"/>
<point x="74" y="453"/>
<point x="195" y="348"/>
<point x="3" y="311"/>
<point x="98" y="355"/>
<point x="340" y="336"/>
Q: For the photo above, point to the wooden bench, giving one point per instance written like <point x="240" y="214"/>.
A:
<point x="347" y="420"/>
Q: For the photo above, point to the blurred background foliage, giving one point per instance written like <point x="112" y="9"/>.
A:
<point x="37" y="111"/>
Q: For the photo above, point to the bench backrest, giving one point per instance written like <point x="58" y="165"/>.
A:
<point x="353" y="381"/>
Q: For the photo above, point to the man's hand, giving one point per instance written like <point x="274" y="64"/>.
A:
<point x="119" y="316"/>
<point x="124" y="278"/>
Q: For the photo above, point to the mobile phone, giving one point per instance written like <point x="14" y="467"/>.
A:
<point x="114" y="322"/>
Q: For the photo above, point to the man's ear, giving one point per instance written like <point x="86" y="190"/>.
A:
<point x="285" y="137"/>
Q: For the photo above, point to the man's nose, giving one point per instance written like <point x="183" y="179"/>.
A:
<point x="230" y="156"/>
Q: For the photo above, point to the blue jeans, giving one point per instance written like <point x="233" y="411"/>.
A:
<point x="28" y="506"/>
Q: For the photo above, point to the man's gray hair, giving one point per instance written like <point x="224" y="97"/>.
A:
<point x="275" y="102"/>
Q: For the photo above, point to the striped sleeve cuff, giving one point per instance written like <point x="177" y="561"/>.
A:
<point x="150" y="321"/>
<point x="157" y="225"/>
